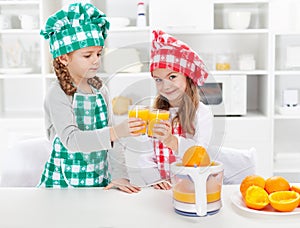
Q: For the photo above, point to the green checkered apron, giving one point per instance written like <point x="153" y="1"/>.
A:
<point x="76" y="169"/>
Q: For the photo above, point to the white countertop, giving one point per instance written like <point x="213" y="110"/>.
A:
<point x="96" y="208"/>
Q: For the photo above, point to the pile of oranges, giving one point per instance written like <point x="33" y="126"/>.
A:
<point x="276" y="191"/>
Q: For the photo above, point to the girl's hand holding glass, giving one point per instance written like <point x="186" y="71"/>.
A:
<point x="163" y="132"/>
<point x="155" y="117"/>
<point x="129" y="127"/>
<point x="141" y="112"/>
<point x="137" y="126"/>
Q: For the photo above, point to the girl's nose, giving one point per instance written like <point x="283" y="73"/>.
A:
<point x="96" y="59"/>
<point x="166" y="84"/>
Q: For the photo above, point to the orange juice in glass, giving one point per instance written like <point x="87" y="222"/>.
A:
<point x="155" y="116"/>
<point x="139" y="111"/>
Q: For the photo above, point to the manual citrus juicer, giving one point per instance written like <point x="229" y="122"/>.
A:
<point x="197" y="190"/>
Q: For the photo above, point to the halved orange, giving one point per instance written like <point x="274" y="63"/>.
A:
<point x="295" y="189"/>
<point x="256" y="197"/>
<point x="196" y="156"/>
<point x="284" y="200"/>
<point x="276" y="183"/>
<point x="249" y="181"/>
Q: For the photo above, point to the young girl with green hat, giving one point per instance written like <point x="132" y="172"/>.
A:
<point x="77" y="105"/>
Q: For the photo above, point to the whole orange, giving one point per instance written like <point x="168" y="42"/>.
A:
<point x="277" y="183"/>
<point x="196" y="155"/>
<point x="250" y="180"/>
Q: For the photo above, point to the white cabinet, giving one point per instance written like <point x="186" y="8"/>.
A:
<point x="20" y="59"/>
<point x="198" y="15"/>
<point x="286" y="42"/>
<point x="272" y="41"/>
<point x="210" y="27"/>
<point x="221" y="36"/>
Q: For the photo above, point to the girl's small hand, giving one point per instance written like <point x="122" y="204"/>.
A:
<point x="127" y="128"/>
<point x="136" y="125"/>
<point x="165" y="185"/>
<point x="162" y="130"/>
<point x="123" y="185"/>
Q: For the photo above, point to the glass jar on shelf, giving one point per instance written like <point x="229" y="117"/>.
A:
<point x="223" y="62"/>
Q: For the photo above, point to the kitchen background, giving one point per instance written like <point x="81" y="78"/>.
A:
<point x="252" y="49"/>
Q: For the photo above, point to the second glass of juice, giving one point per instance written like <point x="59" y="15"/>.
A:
<point x="155" y="116"/>
<point x="139" y="111"/>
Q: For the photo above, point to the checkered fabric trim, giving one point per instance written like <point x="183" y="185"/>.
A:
<point x="75" y="169"/>
<point x="164" y="156"/>
<point x="90" y="111"/>
<point x="80" y="169"/>
<point x="169" y="53"/>
<point x="75" y="26"/>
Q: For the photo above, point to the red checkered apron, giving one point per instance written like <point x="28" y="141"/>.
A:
<point x="163" y="155"/>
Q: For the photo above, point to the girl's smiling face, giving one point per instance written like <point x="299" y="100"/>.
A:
<point x="170" y="84"/>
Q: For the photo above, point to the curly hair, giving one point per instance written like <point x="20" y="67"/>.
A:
<point x="187" y="107"/>
<point x="65" y="79"/>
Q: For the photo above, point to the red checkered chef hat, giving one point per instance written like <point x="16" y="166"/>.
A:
<point x="168" y="52"/>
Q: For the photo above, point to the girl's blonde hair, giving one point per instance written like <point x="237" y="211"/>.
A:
<point x="187" y="107"/>
<point x="65" y="79"/>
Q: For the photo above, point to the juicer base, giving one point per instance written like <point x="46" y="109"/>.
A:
<point x="191" y="214"/>
<point x="189" y="209"/>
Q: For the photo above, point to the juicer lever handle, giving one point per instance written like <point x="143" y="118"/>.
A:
<point x="199" y="178"/>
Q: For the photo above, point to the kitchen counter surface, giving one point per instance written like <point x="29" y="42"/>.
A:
<point x="96" y="208"/>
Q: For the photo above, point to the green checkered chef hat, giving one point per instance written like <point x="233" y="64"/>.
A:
<point x="75" y="26"/>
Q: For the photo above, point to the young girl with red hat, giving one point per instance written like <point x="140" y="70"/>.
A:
<point x="178" y="71"/>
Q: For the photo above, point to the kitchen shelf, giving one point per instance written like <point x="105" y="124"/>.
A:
<point x="258" y="14"/>
<point x="50" y="76"/>
<point x="19" y="2"/>
<point x="208" y="34"/>
<point x="287" y="162"/>
<point x="287" y="117"/>
<point x="240" y="31"/>
<point x="20" y="76"/>
<point x="287" y="33"/>
<point x="216" y="31"/>
<point x="19" y="31"/>
<point x="251" y="115"/>
<point x="286" y="143"/>
<point x="288" y="112"/>
<point x="25" y="115"/>
<point x="239" y="1"/>
<point x="288" y="72"/>
<point x="129" y="29"/>
<point x="239" y="72"/>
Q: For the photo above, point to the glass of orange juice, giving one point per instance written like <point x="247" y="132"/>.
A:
<point x="155" y="116"/>
<point x="139" y="111"/>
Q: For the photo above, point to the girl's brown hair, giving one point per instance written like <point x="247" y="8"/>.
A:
<point x="65" y="79"/>
<point x="187" y="107"/>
